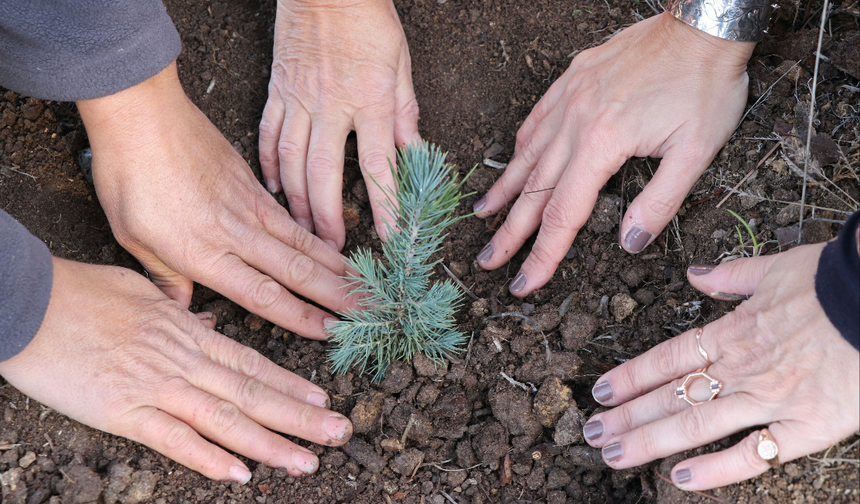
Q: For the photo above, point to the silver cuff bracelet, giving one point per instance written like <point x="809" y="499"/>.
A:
<point x="738" y="20"/>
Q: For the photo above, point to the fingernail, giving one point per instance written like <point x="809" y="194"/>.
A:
<point x="331" y="244"/>
<point x="381" y="232"/>
<point x="271" y="185"/>
<point x="239" y="473"/>
<point x="486" y="253"/>
<point x="613" y="452"/>
<point x="204" y="315"/>
<point x="480" y="204"/>
<point x="637" y="238"/>
<point x="700" y="269"/>
<point x="683" y="476"/>
<point x="337" y="427"/>
<point x="305" y="461"/>
<point x="303" y="223"/>
<point x="593" y="430"/>
<point x="519" y="282"/>
<point x="602" y="392"/>
<point x="329" y="323"/>
<point x="317" y="399"/>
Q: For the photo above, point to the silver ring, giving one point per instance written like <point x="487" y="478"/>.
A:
<point x="702" y="351"/>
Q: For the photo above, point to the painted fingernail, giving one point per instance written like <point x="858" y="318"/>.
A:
<point x="271" y="185"/>
<point x="486" y="253"/>
<point x="613" y="452"/>
<point x="480" y="204"/>
<point x="303" y="223"/>
<point x="602" y="392"/>
<point x="637" y="238"/>
<point x="305" y="461"/>
<point x="700" y="269"/>
<point x="317" y="399"/>
<point x="239" y="473"/>
<point x="683" y="476"/>
<point x="337" y="427"/>
<point x="593" y="429"/>
<point x="519" y="282"/>
<point x="331" y="244"/>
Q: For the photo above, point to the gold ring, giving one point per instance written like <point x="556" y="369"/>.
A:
<point x="716" y="386"/>
<point x="767" y="448"/>
<point x="702" y="351"/>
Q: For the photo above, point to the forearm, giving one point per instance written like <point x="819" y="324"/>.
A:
<point x="26" y="275"/>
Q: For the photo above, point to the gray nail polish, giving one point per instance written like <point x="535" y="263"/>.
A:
<point x="700" y="269"/>
<point x="602" y="392"/>
<point x="613" y="452"/>
<point x="593" y="429"/>
<point x="683" y="476"/>
<point x="480" y="204"/>
<point x="486" y="253"/>
<point x="637" y="238"/>
<point x="519" y="282"/>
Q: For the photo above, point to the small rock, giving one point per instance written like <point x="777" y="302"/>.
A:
<point x="254" y="322"/>
<point x="351" y="216"/>
<point x="27" y="459"/>
<point x="551" y="401"/>
<point x="577" y="329"/>
<point x="622" y="306"/>
<point x="586" y="456"/>
<point x="546" y="317"/>
<point x="480" y="308"/>
<point x="513" y="408"/>
<point x="141" y="488"/>
<point x="569" y="428"/>
<point x="605" y="216"/>
<point x="366" y="413"/>
<point x="792" y="470"/>
<point x="14" y="490"/>
<point x="556" y="497"/>
<point x="427" y="395"/>
<point x="79" y="486"/>
<point x="787" y="235"/>
<point x="405" y="462"/>
<point x="119" y="477"/>
<point x="557" y="478"/>
<point x="364" y="454"/>
<point x="491" y="443"/>
<point x="493" y="150"/>
<point x="634" y="275"/>
<point x="528" y="309"/>
<point x="536" y="479"/>
<point x="397" y="377"/>
<point x="644" y="297"/>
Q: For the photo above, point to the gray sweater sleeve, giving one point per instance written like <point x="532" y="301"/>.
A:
<point x="26" y="275"/>
<point x="69" y="50"/>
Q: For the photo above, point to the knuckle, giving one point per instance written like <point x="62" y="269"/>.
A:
<point x="224" y="418"/>
<point x="662" y="206"/>
<point x="376" y="163"/>
<point x="625" y="418"/>
<point x="263" y="293"/>
<point x="289" y="149"/>
<point x="251" y="362"/>
<point x="320" y="165"/>
<point x="267" y="128"/>
<point x="176" y="438"/>
<point x="296" y="198"/>
<point x="249" y="393"/>
<point x="649" y="444"/>
<point x="693" y="424"/>
<point x="409" y="110"/>
<point x="749" y="457"/>
<point x="301" y="270"/>
<point x="627" y="377"/>
<point x="666" y="360"/>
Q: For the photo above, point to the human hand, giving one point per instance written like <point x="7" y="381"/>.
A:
<point x="780" y="360"/>
<point x="659" y="88"/>
<point x="116" y="354"/>
<point x="338" y="66"/>
<point x="185" y="203"/>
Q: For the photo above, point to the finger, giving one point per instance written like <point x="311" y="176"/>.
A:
<point x="325" y="180"/>
<point x="252" y="364"/>
<point x="691" y="428"/>
<point x="271" y="125"/>
<point x="564" y="215"/>
<point x="260" y="294"/>
<point x="540" y="111"/>
<point x="661" y="364"/>
<point x="529" y="151"/>
<point x="293" y="151"/>
<point x="224" y="423"/>
<point x="175" y="286"/>
<point x="208" y="319"/>
<point x="738" y="463"/>
<point x="176" y="440"/>
<point x="740" y="276"/>
<point x="376" y="155"/>
<point x="406" y="106"/>
<point x="661" y="198"/>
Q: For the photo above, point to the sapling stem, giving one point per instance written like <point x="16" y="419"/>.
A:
<point x="401" y="312"/>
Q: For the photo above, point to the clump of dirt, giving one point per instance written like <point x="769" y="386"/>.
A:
<point x="502" y="422"/>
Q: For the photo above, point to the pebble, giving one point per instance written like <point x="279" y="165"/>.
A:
<point x="569" y="428"/>
<point x="27" y="459"/>
<point x="13" y="486"/>
<point x="364" y="454"/>
<point x="406" y="461"/>
<point x="622" y="306"/>
<point x="513" y="408"/>
<point x="366" y="413"/>
<point x="551" y="401"/>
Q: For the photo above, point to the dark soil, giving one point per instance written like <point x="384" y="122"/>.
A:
<point x="475" y="438"/>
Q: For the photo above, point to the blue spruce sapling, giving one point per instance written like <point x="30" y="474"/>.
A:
<point x="402" y="313"/>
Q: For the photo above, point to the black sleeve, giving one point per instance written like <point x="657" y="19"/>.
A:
<point x="26" y="275"/>
<point x="70" y="50"/>
<point x="837" y="282"/>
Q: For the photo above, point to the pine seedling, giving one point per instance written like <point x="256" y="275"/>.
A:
<point x="401" y="312"/>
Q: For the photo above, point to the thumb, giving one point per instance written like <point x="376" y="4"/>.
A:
<point x="171" y="283"/>
<point x="659" y="201"/>
<point x="727" y="280"/>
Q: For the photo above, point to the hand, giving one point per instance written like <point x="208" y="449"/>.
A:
<point x="338" y="66"/>
<point x="116" y="354"/>
<point x="782" y="365"/>
<point x="185" y="203"/>
<point x="659" y="88"/>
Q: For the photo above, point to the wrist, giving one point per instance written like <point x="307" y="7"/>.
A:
<point x="710" y="50"/>
<point x="735" y="20"/>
